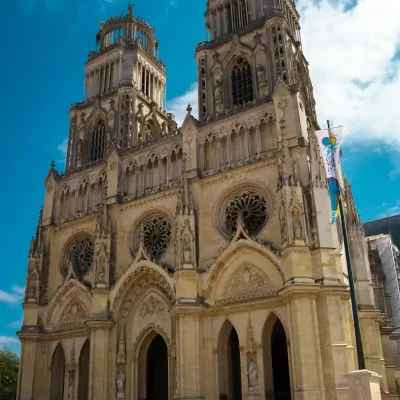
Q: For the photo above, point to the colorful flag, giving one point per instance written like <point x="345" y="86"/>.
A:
<point x="329" y="142"/>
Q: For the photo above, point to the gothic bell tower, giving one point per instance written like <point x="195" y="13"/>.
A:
<point x="124" y="95"/>
<point x="252" y="44"/>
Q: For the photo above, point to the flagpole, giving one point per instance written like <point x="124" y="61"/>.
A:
<point x="360" y="352"/>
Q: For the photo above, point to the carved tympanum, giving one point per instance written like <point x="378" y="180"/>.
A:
<point x="246" y="278"/>
<point x="151" y="306"/>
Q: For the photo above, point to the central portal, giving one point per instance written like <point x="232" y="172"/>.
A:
<point x="157" y="370"/>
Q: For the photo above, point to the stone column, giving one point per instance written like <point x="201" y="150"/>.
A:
<point x="337" y="351"/>
<point x="307" y="378"/>
<point x="100" y="345"/>
<point x="27" y="369"/>
<point x="188" y="353"/>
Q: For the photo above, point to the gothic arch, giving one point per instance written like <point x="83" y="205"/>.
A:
<point x="144" y="364"/>
<point x="128" y="289"/>
<point x="229" y="376"/>
<point x="58" y="367"/>
<point x="240" y="254"/>
<point x="276" y="357"/>
<point x="69" y="292"/>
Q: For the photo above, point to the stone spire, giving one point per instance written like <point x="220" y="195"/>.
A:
<point x="36" y="242"/>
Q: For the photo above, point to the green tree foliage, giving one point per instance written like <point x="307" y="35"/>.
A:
<point x="9" y="364"/>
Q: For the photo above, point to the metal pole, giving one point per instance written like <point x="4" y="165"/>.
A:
<point x="360" y="352"/>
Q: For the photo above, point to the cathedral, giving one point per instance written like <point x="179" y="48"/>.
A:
<point x="198" y="261"/>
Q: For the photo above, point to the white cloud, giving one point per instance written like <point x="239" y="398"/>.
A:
<point x="355" y="75"/>
<point x="178" y="105"/>
<point x="14" y="297"/>
<point x="62" y="148"/>
<point x="354" y="71"/>
<point x="16" y="324"/>
<point x="389" y="211"/>
<point x="170" y="4"/>
<point x="4" y="340"/>
<point x="18" y="290"/>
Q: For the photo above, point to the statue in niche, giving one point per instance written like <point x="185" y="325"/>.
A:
<point x="297" y="228"/>
<point x="187" y="249"/>
<point x="71" y="391"/>
<point x="283" y="230"/>
<point x="32" y="287"/>
<point x="262" y="81"/>
<point x="121" y="385"/>
<point x="261" y="73"/>
<point x="253" y="375"/>
<point x="101" y="270"/>
<point x="218" y="90"/>
<point x="80" y="146"/>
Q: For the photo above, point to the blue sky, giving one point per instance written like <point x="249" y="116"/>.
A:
<point x="42" y="74"/>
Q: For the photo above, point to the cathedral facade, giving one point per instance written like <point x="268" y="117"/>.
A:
<point x="197" y="262"/>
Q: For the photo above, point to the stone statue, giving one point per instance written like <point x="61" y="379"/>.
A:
<point x="297" y="229"/>
<point x="260" y="73"/>
<point x="32" y="289"/>
<point x="187" y="249"/>
<point x="217" y="90"/>
<point x="121" y="384"/>
<point x="80" y="145"/>
<point x="101" y="273"/>
<point x="253" y="375"/>
<point x="71" y="391"/>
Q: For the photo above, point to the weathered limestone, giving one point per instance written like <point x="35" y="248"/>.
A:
<point x="364" y="385"/>
<point x="200" y="262"/>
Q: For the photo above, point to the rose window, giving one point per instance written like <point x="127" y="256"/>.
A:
<point x="156" y="236"/>
<point x="253" y="209"/>
<point x="81" y="256"/>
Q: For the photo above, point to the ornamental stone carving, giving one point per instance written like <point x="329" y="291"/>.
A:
<point x="151" y="306"/>
<point x="246" y="278"/>
<point x="74" y="312"/>
<point x="156" y="235"/>
<point x="253" y="209"/>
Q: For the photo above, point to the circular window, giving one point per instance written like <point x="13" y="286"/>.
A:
<point x="81" y="256"/>
<point x="156" y="236"/>
<point x="253" y="209"/>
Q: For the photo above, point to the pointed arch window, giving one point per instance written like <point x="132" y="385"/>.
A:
<point x="98" y="145"/>
<point x="242" y="82"/>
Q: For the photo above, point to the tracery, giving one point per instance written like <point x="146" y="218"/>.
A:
<point x="252" y="207"/>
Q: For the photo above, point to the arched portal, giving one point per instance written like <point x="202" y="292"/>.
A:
<point x="57" y="374"/>
<point x="153" y="369"/>
<point x="276" y="361"/>
<point x="229" y="375"/>
<point x="84" y="362"/>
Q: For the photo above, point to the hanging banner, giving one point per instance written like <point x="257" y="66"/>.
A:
<point x="329" y="142"/>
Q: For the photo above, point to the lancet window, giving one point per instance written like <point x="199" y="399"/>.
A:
<point x="176" y="164"/>
<point x="98" y="141"/>
<point x="242" y="82"/>
<point x="279" y="53"/>
<point x="125" y="130"/>
<point x="239" y="146"/>
<point x="230" y="17"/>
<point x="83" y="197"/>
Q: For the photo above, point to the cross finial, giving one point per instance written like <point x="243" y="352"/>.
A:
<point x="52" y="165"/>
<point x="189" y="108"/>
